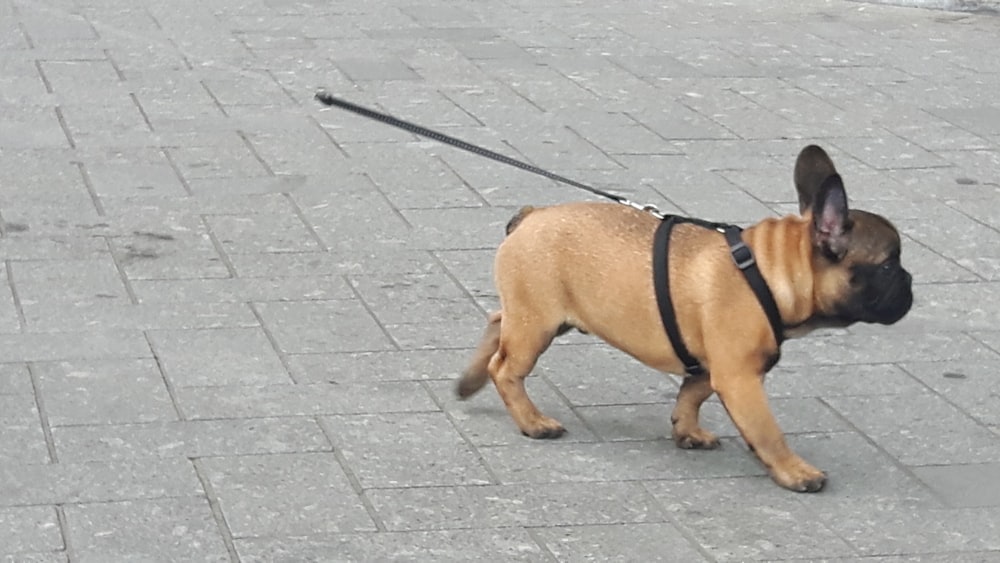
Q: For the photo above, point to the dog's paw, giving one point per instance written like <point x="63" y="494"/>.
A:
<point x="544" y="428"/>
<point x="697" y="439"/>
<point x="797" y="475"/>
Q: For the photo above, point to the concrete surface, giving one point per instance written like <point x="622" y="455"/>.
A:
<point x="230" y="319"/>
<point x="976" y="6"/>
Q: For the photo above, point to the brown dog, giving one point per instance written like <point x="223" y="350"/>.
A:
<point x="588" y="266"/>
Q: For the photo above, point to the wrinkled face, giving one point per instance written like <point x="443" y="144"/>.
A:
<point x="868" y="284"/>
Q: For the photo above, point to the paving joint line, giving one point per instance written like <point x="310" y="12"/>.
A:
<point x="669" y="518"/>
<point x="326" y="133"/>
<point x="467" y="185"/>
<point x="297" y="210"/>
<point x="885" y="453"/>
<point x="167" y="383"/>
<point x="89" y="184"/>
<point x="177" y="171"/>
<point x="282" y="356"/>
<point x="371" y="313"/>
<point x="253" y="151"/>
<point x="216" y="507"/>
<point x="219" y="249"/>
<point x="352" y="478"/>
<point x="43" y="416"/>
<point x="22" y="321"/>
<point x="473" y="448"/>
<point x="64" y="531"/>
<point x="122" y="275"/>
<point x="65" y="127"/>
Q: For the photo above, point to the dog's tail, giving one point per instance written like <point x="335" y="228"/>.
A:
<point x="477" y="373"/>
<point x="516" y="219"/>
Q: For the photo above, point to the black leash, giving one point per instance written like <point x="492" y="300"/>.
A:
<point x="742" y="255"/>
<point x="329" y="99"/>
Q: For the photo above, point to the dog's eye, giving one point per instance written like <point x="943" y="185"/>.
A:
<point x="890" y="263"/>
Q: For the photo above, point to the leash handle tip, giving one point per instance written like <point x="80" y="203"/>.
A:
<point x="325" y="97"/>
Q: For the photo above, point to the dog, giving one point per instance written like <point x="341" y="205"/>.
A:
<point x="588" y="266"/>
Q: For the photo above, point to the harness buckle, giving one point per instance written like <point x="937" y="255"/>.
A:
<point x="742" y="255"/>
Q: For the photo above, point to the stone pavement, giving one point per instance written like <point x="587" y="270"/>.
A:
<point x="230" y="320"/>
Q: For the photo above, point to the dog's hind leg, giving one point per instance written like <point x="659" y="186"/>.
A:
<point x="519" y="349"/>
<point x="687" y="433"/>
<point x="477" y="373"/>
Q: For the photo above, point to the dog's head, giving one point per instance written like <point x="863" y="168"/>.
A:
<point x="856" y="254"/>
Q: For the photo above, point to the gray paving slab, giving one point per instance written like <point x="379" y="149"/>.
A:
<point x="511" y="544"/>
<point x="100" y="481"/>
<point x="240" y="401"/>
<point x="341" y="326"/>
<point x="59" y="317"/>
<point x="962" y="485"/>
<point x="189" y="439"/>
<point x="90" y="345"/>
<point x="15" y="379"/>
<point x="419" y="298"/>
<point x="436" y="334"/>
<point x="231" y="319"/>
<point x="30" y="529"/>
<point x="72" y="281"/>
<point x="369" y="367"/>
<point x="161" y="529"/>
<point x="241" y="290"/>
<point x="924" y="430"/>
<point x="104" y="392"/>
<point x="493" y="506"/>
<point x="286" y="495"/>
<point x="697" y="506"/>
<point x="217" y="357"/>
<point x="540" y="463"/>
<point x="22" y="440"/>
<point x="969" y="386"/>
<point x="649" y="542"/>
<point x="902" y="528"/>
<point x="405" y="450"/>
<point x="859" y="470"/>
<point x="43" y="557"/>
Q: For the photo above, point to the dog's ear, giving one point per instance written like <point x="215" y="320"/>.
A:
<point x="831" y="222"/>
<point x="812" y="169"/>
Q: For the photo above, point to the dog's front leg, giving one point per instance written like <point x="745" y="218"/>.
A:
<point x="742" y="394"/>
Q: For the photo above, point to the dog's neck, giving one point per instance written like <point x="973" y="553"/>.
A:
<point x="787" y="266"/>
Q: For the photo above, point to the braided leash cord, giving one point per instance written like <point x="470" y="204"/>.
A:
<point x="329" y="99"/>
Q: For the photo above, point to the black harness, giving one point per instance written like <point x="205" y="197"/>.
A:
<point x="744" y="260"/>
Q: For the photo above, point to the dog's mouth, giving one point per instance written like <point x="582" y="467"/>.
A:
<point x="894" y="310"/>
<point x="886" y="307"/>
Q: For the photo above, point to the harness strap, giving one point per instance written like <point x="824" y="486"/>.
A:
<point x="745" y="261"/>
<point x="743" y="258"/>
<point x="661" y="283"/>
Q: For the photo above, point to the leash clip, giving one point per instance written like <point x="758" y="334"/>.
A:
<point x="648" y="207"/>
